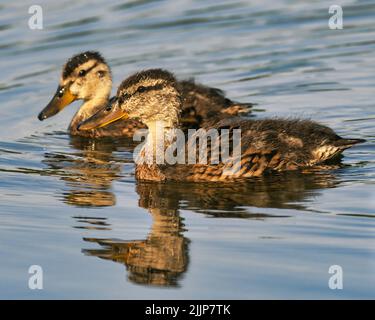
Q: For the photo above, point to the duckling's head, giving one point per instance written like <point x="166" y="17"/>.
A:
<point x="84" y="76"/>
<point x="148" y="96"/>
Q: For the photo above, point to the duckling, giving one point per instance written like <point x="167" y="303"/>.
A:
<point x="87" y="76"/>
<point x="268" y="145"/>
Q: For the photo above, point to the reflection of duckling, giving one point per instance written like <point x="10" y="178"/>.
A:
<point x="153" y="97"/>
<point x="284" y="190"/>
<point x="162" y="258"/>
<point x="159" y="260"/>
<point x="87" y="77"/>
<point x="89" y="172"/>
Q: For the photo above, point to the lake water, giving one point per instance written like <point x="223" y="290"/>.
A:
<point x="73" y="206"/>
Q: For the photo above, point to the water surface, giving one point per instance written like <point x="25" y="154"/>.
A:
<point x="73" y="206"/>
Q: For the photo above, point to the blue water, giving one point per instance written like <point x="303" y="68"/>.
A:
<point x="73" y="206"/>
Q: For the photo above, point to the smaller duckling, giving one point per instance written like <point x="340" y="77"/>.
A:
<point x="202" y="105"/>
<point x="87" y="76"/>
<point x="269" y="145"/>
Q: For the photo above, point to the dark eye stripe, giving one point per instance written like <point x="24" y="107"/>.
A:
<point x="143" y="89"/>
<point x="89" y="69"/>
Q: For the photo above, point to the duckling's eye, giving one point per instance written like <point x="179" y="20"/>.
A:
<point x="101" y="74"/>
<point x="109" y="108"/>
<point x="82" y="73"/>
<point x="141" y="89"/>
<point x="61" y="92"/>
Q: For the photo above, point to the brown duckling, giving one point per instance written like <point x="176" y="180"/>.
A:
<point x="153" y="96"/>
<point x="87" y="76"/>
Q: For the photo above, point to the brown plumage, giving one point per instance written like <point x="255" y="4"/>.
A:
<point x="268" y="145"/>
<point x="87" y="76"/>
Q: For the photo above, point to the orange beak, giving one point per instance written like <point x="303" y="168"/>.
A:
<point x="110" y="113"/>
<point x="60" y="100"/>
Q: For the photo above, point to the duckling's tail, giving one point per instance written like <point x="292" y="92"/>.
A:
<point x="333" y="150"/>
<point x="237" y="108"/>
<point x="347" y="143"/>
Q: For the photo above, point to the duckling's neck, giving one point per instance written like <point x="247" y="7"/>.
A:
<point x="161" y="134"/>
<point x="87" y="109"/>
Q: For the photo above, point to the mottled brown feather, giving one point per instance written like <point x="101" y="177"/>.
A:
<point x="264" y="148"/>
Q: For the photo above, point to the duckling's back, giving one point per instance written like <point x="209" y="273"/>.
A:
<point x="266" y="145"/>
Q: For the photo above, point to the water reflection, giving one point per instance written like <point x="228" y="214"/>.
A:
<point x="161" y="259"/>
<point x="241" y="199"/>
<point x="90" y="171"/>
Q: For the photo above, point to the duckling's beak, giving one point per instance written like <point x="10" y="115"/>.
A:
<point x="61" y="99"/>
<point x="111" y="113"/>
